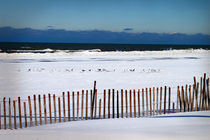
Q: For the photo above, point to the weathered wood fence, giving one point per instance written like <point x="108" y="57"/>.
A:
<point x="88" y="105"/>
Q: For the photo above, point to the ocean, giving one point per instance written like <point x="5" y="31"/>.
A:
<point x="24" y="47"/>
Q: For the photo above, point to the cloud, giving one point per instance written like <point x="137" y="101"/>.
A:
<point x="128" y="29"/>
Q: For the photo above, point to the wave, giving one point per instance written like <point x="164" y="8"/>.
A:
<point x="98" y="52"/>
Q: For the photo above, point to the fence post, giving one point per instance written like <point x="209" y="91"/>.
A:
<point x="99" y="109"/>
<point x="113" y="115"/>
<point x="177" y="100"/>
<point x="122" y="103"/>
<point x="165" y="100"/>
<point x="143" y="101"/>
<point x="201" y="79"/>
<point x="82" y="105"/>
<point x="24" y="103"/>
<point x="77" y="105"/>
<point x="73" y="106"/>
<point x="35" y="113"/>
<point x="5" y="119"/>
<point x="183" y="99"/>
<point x="147" y="101"/>
<point x="45" y="109"/>
<point x="204" y="93"/>
<point x="153" y="100"/>
<point x="59" y="108"/>
<point x="94" y="90"/>
<point x="126" y="103"/>
<point x="30" y="111"/>
<point x="86" y="104"/>
<point x="19" y="108"/>
<point x="161" y="91"/>
<point x="104" y="103"/>
<point x="173" y="107"/>
<point x="197" y="87"/>
<point x="157" y="100"/>
<point x="64" y="108"/>
<point x="54" y="100"/>
<point x="139" y="110"/>
<point x="130" y="104"/>
<point x="169" y="100"/>
<point x="50" y="112"/>
<point x="40" y="109"/>
<point x="10" y="117"/>
<point x="95" y="103"/>
<point x="91" y="104"/>
<point x="68" y="98"/>
<point x="134" y="102"/>
<point x="117" y="104"/>
<point x="190" y="99"/>
<point x="109" y="92"/>
<point x="150" y="100"/>
<point x="14" y="106"/>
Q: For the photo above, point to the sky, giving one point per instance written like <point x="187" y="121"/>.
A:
<point x="156" y="16"/>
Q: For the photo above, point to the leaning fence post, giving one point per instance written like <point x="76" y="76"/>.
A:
<point x="25" y="114"/>
<point x="169" y="100"/>
<point x="50" y="112"/>
<point x="109" y="92"/>
<point x="139" y="110"/>
<point x="93" y="100"/>
<point x="19" y="108"/>
<point x="122" y="103"/>
<point x="54" y="101"/>
<point x="5" y="119"/>
<point x="35" y="113"/>
<point x="82" y="104"/>
<point x="30" y="110"/>
<point x="86" y="104"/>
<point x="130" y="104"/>
<point x="126" y="103"/>
<point x="10" y="117"/>
<point x="104" y="103"/>
<point x="143" y="101"/>
<point x="59" y="108"/>
<point x="64" y="108"/>
<point x="117" y="104"/>
<point x="40" y="111"/>
<point x="134" y="102"/>
<point x="68" y="97"/>
<point x="14" y="106"/>
<point x="165" y="100"/>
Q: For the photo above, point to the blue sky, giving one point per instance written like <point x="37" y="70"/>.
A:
<point x="159" y="16"/>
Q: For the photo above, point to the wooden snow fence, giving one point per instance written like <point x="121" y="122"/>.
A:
<point x="112" y="103"/>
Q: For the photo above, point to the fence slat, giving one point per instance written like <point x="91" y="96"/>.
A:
<point x="177" y="100"/>
<point x="50" y="111"/>
<point x="54" y="101"/>
<point x="19" y="108"/>
<point x="193" y="98"/>
<point x="104" y="103"/>
<point x="147" y="102"/>
<point x="73" y="107"/>
<point x="95" y="103"/>
<point x="186" y="98"/>
<point x="173" y="107"/>
<point x="64" y="108"/>
<point x="122" y="113"/>
<point x="169" y="100"/>
<point x="35" y="113"/>
<point x="99" y="109"/>
<point x="150" y="100"/>
<point x="86" y="104"/>
<point x="0" y="115"/>
<point x="24" y="103"/>
<point x="69" y="111"/>
<point x="157" y="100"/>
<point x="10" y="117"/>
<point x="40" y="110"/>
<point x="197" y="87"/>
<point x="91" y="104"/>
<point x="204" y="93"/>
<point x="139" y="110"/>
<point x="130" y="104"/>
<point x="134" y="102"/>
<point x="153" y="100"/>
<point x="126" y="103"/>
<point x="117" y="104"/>
<point x="113" y="113"/>
<point x="190" y="99"/>
<point x="161" y="91"/>
<point x="82" y="105"/>
<point x="45" y="109"/>
<point x="109" y="92"/>
<point x="5" y="119"/>
<point x="165" y="99"/>
<point x="14" y="106"/>
<point x="77" y="105"/>
<point x="59" y="109"/>
<point x="143" y="101"/>
<point x="208" y="93"/>
<point x="30" y="111"/>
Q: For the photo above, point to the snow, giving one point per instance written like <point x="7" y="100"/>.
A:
<point x="182" y="126"/>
